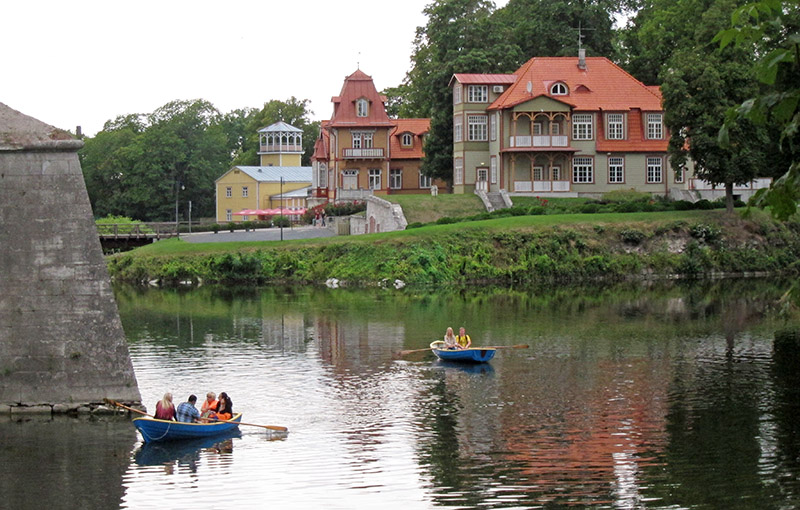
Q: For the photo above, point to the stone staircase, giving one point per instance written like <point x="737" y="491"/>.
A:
<point x="494" y="200"/>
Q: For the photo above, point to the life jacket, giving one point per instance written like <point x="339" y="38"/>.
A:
<point x="463" y="340"/>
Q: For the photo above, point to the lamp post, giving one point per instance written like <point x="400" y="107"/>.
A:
<point x="178" y="186"/>
<point x="281" y="202"/>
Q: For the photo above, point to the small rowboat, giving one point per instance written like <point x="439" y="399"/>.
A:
<point x="165" y="430"/>
<point x="472" y="355"/>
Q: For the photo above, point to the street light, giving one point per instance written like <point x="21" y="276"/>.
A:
<point x="281" y="202"/>
<point x="178" y="187"/>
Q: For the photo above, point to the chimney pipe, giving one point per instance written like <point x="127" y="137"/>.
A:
<point x="581" y="58"/>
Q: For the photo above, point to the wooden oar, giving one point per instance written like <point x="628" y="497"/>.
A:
<point x="518" y="346"/>
<point x="270" y="427"/>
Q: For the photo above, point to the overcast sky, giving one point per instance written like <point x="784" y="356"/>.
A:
<point x="84" y="62"/>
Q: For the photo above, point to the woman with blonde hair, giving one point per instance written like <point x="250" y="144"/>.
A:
<point x="165" y="409"/>
<point x="450" y="341"/>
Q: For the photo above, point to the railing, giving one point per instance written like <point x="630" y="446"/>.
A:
<point x="276" y="147"/>
<point x="370" y="153"/>
<point x="539" y="141"/>
<point x="541" y="186"/>
<point x="136" y="230"/>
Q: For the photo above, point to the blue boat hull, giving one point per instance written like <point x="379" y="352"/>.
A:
<point x="462" y="355"/>
<point x="163" y="430"/>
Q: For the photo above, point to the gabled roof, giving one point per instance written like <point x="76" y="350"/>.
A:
<point x="280" y="127"/>
<point x="416" y="127"/>
<point x="600" y="85"/>
<point x="483" y="79"/>
<point x="356" y="86"/>
<point x="298" y="193"/>
<point x="274" y="173"/>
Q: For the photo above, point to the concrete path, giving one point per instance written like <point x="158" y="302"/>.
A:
<point x="264" y="234"/>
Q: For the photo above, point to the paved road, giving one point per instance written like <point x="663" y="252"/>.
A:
<point x="264" y="234"/>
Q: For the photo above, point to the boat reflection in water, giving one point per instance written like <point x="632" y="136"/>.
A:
<point x="184" y="453"/>
<point x="470" y="368"/>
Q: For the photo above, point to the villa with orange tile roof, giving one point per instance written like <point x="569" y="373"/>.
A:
<point x="566" y="126"/>
<point x="362" y="152"/>
<point x="559" y="126"/>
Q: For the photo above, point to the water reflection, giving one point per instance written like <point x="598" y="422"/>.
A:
<point x="183" y="453"/>
<point x="632" y="396"/>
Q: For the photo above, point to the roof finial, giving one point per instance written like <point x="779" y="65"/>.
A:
<point x="358" y="62"/>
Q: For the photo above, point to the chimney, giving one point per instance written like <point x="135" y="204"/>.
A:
<point x="582" y="58"/>
<point x="78" y="133"/>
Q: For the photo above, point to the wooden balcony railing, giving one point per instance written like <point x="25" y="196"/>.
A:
<point x="371" y="153"/>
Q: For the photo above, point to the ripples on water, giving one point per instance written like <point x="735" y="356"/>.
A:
<point x="648" y="420"/>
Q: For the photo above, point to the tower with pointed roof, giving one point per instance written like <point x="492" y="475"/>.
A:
<point x="280" y="144"/>
<point x="362" y="152"/>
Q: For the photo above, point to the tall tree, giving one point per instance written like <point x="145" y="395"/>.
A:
<point x="771" y="30"/>
<point x="292" y="111"/>
<point x="701" y="82"/>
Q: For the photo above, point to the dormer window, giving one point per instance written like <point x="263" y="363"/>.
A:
<point x="407" y="140"/>
<point x="362" y="107"/>
<point x="559" y="89"/>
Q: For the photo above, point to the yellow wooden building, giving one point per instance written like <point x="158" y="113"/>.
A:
<point x="278" y="183"/>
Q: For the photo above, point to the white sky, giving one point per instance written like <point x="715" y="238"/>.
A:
<point x="84" y="62"/>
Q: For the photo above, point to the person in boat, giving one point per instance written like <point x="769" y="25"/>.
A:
<point x="209" y="404"/>
<point x="187" y="412"/>
<point x="224" y="408"/>
<point x="463" y="339"/>
<point x="165" y="409"/>
<point x="450" y="340"/>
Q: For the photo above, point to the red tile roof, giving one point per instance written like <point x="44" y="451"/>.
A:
<point x="321" y="145"/>
<point x="356" y="86"/>
<point x="601" y="85"/>
<point x="484" y="79"/>
<point x="417" y="127"/>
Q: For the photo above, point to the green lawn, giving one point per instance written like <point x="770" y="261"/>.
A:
<point x="425" y="208"/>
<point x="180" y="247"/>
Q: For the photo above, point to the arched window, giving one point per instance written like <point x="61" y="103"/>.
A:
<point x="559" y="89"/>
<point x="407" y="140"/>
<point x="362" y="107"/>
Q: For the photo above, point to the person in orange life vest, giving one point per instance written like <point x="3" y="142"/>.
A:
<point x="463" y="339"/>
<point x="224" y="408"/>
<point x="165" y="409"/>
<point x="209" y="404"/>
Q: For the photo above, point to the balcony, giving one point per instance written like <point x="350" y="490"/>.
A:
<point x="541" y="186"/>
<point x="274" y="147"/>
<point x="539" y="141"/>
<point x="371" y="153"/>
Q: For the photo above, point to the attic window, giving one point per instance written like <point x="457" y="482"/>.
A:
<point x="559" y="89"/>
<point x="362" y="107"/>
<point x="407" y="140"/>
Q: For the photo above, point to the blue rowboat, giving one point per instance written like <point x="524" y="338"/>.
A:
<point x="471" y="355"/>
<point x="165" y="430"/>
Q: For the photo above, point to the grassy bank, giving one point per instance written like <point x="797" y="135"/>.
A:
<point x="525" y="249"/>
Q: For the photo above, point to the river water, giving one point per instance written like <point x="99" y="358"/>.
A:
<point x="634" y="396"/>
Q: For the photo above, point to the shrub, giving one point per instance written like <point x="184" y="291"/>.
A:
<point x="281" y="221"/>
<point x="708" y="233"/>
<point x="215" y="227"/>
<point x="599" y="229"/>
<point x="231" y="226"/>
<point x="446" y="220"/>
<point x="589" y="208"/>
<point x="682" y="205"/>
<point x="630" y="195"/>
<point x="628" y="207"/>
<point x="703" y="204"/>
<point x="632" y="236"/>
<point x="536" y="210"/>
<point x="416" y="224"/>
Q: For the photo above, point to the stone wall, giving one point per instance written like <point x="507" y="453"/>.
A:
<point x="383" y="216"/>
<point x="62" y="346"/>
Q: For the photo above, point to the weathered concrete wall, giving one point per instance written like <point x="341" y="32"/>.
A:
<point x="383" y="216"/>
<point x="61" y="341"/>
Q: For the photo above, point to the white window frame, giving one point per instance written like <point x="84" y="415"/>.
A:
<point x="538" y="128"/>
<point x="477" y="128"/>
<point x="559" y="89"/>
<point x="374" y="178"/>
<point x="582" y="124"/>
<point x="616" y="170"/>
<point x="457" y="93"/>
<point x="228" y="191"/>
<point x="538" y="172"/>
<point x="425" y="181"/>
<point x="407" y="140"/>
<point x="228" y="214"/>
<point x="493" y="127"/>
<point x="323" y="175"/>
<point x="582" y="170"/>
<point x="245" y="191"/>
<point x="395" y="178"/>
<point x="679" y="175"/>
<point x="478" y="94"/>
<point x="655" y="170"/>
<point x="362" y="107"/>
<point x="493" y="170"/>
<point x="655" y="126"/>
<point x="458" y="171"/>
<point x="616" y="126"/>
<point x="458" y="129"/>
